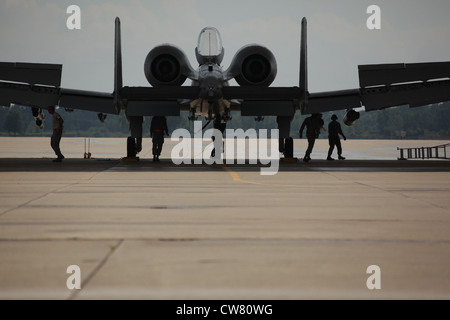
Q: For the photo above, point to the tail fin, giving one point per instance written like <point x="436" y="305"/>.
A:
<point x="303" y="77"/>
<point x="118" y="83"/>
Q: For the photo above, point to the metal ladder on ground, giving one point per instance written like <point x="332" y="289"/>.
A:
<point x="436" y="152"/>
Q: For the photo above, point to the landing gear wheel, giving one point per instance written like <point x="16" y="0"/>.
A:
<point x="289" y="148"/>
<point x="131" y="147"/>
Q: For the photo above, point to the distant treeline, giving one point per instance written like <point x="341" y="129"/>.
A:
<point x="428" y="122"/>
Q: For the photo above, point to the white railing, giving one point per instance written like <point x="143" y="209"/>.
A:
<point x="436" y="152"/>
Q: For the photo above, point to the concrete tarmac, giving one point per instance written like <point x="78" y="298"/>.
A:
<point x="144" y="230"/>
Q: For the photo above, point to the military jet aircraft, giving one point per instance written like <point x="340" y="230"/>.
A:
<point x="254" y="68"/>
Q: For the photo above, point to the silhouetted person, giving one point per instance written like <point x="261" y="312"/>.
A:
<point x="157" y="129"/>
<point x="334" y="130"/>
<point x="57" y="122"/>
<point x="136" y="131"/>
<point x="221" y="127"/>
<point x="313" y="125"/>
<point x="284" y="127"/>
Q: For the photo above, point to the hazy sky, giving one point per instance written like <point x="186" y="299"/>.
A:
<point x="338" y="39"/>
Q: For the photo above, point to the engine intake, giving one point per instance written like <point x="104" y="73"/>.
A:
<point x="167" y="65"/>
<point x="253" y="65"/>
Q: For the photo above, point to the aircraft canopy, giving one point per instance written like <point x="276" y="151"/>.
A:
<point x="209" y="42"/>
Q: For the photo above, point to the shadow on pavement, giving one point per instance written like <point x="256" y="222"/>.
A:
<point x="100" y="164"/>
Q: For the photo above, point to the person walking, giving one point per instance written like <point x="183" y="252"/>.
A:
<point x="313" y="124"/>
<point x="334" y="130"/>
<point x="157" y="129"/>
<point x="57" y="122"/>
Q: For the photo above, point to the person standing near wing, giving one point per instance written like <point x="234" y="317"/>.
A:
<point x="334" y="130"/>
<point x="313" y="125"/>
<point x="221" y="127"/>
<point x="57" y="122"/>
<point x="157" y="129"/>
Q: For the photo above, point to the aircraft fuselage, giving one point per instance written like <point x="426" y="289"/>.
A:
<point x="210" y="103"/>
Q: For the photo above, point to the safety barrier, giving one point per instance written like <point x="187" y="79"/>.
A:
<point x="436" y="152"/>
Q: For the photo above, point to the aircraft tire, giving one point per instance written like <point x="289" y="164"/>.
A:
<point x="131" y="147"/>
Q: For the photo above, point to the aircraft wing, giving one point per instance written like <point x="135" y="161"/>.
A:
<point x="38" y="85"/>
<point x="381" y="86"/>
<point x="389" y="85"/>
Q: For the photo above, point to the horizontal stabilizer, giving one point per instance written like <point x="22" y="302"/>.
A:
<point x="170" y="93"/>
<point x="32" y="73"/>
<point x="261" y="93"/>
<point x="268" y="108"/>
<point x="153" y="108"/>
<point x="157" y="101"/>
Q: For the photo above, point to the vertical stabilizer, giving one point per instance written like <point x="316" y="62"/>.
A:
<point x="303" y="76"/>
<point x="117" y="65"/>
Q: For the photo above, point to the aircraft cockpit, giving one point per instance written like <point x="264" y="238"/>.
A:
<point x="209" y="47"/>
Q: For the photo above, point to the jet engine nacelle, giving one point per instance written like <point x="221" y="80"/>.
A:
<point x="253" y="65"/>
<point x="350" y="117"/>
<point x="167" y="65"/>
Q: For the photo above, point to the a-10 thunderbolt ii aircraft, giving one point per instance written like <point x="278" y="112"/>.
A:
<point x="253" y="67"/>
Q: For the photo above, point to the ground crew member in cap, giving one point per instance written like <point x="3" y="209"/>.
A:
<point x="334" y="130"/>
<point x="313" y="124"/>
<point x="57" y="122"/>
<point x="157" y="129"/>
